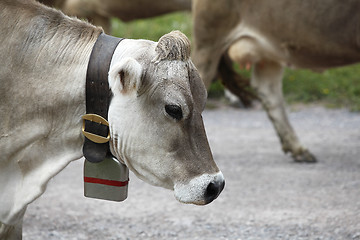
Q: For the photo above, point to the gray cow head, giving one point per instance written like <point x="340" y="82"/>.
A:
<point x="155" y="118"/>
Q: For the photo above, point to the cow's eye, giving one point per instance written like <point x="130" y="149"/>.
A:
<point x="174" y="111"/>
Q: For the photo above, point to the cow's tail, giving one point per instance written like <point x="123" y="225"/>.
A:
<point x="234" y="82"/>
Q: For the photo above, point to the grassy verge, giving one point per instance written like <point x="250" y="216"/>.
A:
<point x="335" y="88"/>
<point x="338" y="87"/>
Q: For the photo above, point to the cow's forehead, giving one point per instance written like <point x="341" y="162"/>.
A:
<point x="179" y="80"/>
<point x="174" y="71"/>
<point x="180" y="76"/>
<point x="171" y="80"/>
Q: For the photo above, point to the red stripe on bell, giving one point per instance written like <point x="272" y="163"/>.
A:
<point x="106" y="182"/>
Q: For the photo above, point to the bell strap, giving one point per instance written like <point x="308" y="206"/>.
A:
<point x="98" y="96"/>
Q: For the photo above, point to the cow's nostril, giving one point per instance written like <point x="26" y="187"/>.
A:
<point x="213" y="190"/>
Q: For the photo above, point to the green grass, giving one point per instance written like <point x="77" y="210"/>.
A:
<point x="335" y="88"/>
<point x="338" y="87"/>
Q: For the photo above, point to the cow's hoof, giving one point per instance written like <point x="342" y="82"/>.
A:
<point x="305" y="157"/>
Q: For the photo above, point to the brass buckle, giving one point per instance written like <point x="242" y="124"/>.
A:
<point x="91" y="136"/>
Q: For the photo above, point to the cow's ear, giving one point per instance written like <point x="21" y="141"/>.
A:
<point x="125" y="76"/>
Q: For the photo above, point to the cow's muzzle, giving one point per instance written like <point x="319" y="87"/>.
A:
<point x="200" y="190"/>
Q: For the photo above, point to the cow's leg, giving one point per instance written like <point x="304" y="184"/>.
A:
<point x="11" y="232"/>
<point x="212" y="24"/>
<point x="89" y="10"/>
<point x="14" y="231"/>
<point x="101" y="21"/>
<point x="267" y="81"/>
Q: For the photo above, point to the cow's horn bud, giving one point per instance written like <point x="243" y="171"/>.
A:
<point x="173" y="46"/>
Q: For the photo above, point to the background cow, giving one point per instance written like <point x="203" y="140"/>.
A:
<point x="235" y="30"/>
<point x="155" y="115"/>
<point x="272" y="35"/>
<point x="99" y="12"/>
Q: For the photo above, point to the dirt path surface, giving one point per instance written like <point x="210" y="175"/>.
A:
<point x="266" y="195"/>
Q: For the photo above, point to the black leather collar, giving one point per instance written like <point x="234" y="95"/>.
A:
<point x="98" y="97"/>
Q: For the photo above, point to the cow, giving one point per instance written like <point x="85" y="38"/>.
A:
<point x="99" y="12"/>
<point x="272" y="35"/>
<point x="154" y="116"/>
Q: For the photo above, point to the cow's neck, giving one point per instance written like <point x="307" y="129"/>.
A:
<point x="57" y="54"/>
<point x="43" y="86"/>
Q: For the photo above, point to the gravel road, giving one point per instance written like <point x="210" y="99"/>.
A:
<point x="266" y="196"/>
